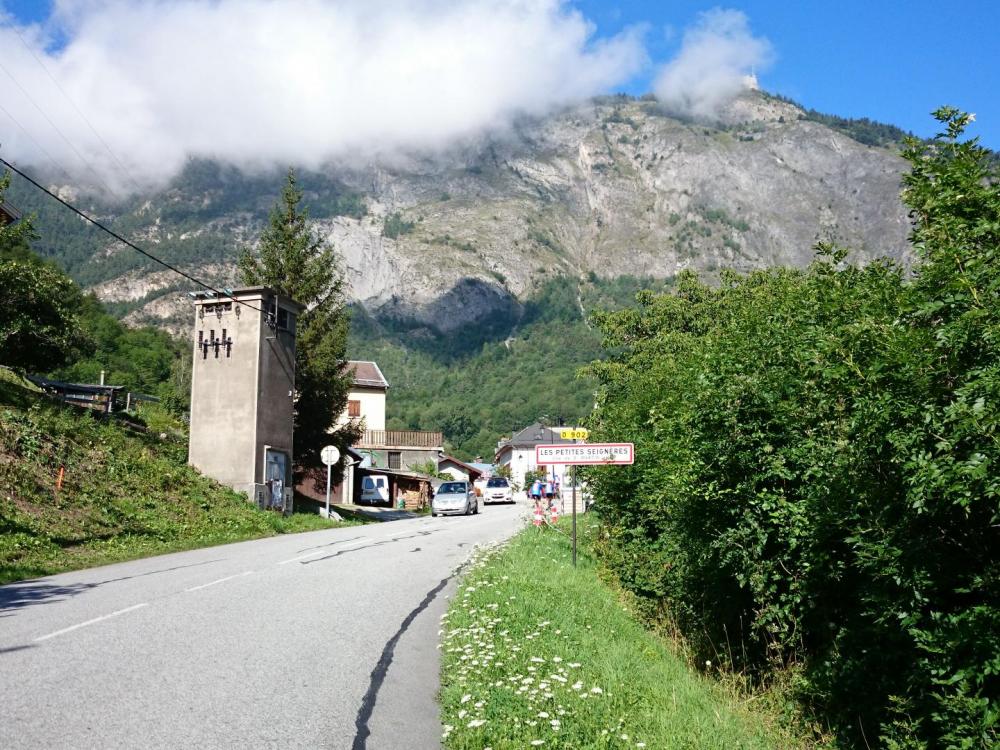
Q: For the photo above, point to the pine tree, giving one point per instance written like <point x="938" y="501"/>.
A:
<point x="295" y="261"/>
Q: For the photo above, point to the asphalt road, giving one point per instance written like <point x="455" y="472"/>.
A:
<point x="319" y="640"/>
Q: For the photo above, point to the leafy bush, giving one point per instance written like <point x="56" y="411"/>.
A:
<point x="816" y="476"/>
<point x="39" y="327"/>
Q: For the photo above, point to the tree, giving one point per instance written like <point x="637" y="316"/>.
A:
<point x="817" y="466"/>
<point x="39" y="328"/>
<point x="295" y="261"/>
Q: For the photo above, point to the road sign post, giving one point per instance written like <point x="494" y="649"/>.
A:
<point x="574" y="516"/>
<point x="329" y="455"/>
<point x="584" y="454"/>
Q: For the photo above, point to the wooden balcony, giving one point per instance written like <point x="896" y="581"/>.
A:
<point x="401" y="439"/>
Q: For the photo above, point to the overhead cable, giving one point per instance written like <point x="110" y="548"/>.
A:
<point x="219" y="292"/>
<point x="83" y="117"/>
<point x="62" y="135"/>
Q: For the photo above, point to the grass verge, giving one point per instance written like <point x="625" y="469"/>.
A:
<point x="124" y="495"/>
<point x="539" y="654"/>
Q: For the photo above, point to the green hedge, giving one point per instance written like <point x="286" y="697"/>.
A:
<point x="816" y="477"/>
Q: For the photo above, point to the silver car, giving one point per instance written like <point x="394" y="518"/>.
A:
<point x="455" y="498"/>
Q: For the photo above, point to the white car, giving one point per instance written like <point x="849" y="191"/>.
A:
<point x="375" y="490"/>
<point x="497" y="490"/>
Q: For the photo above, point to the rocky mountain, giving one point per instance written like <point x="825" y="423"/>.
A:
<point x="611" y="187"/>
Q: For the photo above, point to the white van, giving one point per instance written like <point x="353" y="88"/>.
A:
<point x="374" y="490"/>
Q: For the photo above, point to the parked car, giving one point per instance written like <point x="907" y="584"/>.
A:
<point x="498" y="490"/>
<point x="453" y="498"/>
<point x="374" y="490"/>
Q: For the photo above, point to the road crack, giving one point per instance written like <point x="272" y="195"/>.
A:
<point x="382" y="669"/>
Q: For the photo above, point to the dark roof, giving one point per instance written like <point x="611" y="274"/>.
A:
<point x="8" y="214"/>
<point x="532" y="435"/>
<point x="394" y="472"/>
<point x="367" y="374"/>
<point x="59" y="385"/>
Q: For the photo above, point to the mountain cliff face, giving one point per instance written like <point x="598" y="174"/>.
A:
<point x="611" y="187"/>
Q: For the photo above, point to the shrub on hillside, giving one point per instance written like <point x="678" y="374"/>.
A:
<point x="816" y="476"/>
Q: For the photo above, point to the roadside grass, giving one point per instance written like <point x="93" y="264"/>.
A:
<point x="539" y="654"/>
<point x="124" y="494"/>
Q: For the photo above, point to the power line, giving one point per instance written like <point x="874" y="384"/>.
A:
<point x="55" y="127"/>
<point x="59" y="167"/>
<point x="83" y="117"/>
<point x="124" y="241"/>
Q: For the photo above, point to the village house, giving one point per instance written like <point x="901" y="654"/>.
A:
<point x="366" y="398"/>
<point x="458" y="470"/>
<point x="518" y="453"/>
<point x="377" y="450"/>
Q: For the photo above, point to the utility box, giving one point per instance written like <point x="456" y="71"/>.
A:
<point x="243" y="391"/>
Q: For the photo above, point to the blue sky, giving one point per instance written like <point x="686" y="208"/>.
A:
<point x="891" y="61"/>
<point x="255" y="81"/>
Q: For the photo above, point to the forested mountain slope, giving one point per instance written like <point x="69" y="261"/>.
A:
<point x="613" y="187"/>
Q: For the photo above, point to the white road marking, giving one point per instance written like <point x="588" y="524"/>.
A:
<point x="91" y="622"/>
<point x="361" y="540"/>
<point x="212" y="583"/>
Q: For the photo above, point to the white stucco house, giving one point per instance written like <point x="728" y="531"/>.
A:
<point x="519" y="453"/>
<point x="366" y="398"/>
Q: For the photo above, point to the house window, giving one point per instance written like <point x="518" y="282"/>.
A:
<point x="394" y="460"/>
<point x="353" y="408"/>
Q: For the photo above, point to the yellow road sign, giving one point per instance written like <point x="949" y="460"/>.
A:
<point x="574" y="433"/>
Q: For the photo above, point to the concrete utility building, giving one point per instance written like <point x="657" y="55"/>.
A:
<point x="242" y="392"/>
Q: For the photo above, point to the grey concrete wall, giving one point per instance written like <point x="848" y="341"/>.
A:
<point x="242" y="404"/>
<point x="223" y="398"/>
<point x="275" y="391"/>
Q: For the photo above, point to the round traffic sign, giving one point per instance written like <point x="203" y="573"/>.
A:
<point x="329" y="455"/>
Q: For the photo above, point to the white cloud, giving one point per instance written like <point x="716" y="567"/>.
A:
<point x="716" y="54"/>
<point x="263" y="82"/>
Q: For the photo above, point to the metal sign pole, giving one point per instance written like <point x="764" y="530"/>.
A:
<point x="329" y="468"/>
<point x="329" y="455"/>
<point x="574" y="516"/>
